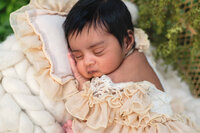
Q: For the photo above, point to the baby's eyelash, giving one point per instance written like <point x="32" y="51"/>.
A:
<point x="98" y="52"/>
<point x="78" y="57"/>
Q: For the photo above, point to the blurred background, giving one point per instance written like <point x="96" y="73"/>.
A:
<point x="6" y="7"/>
<point x="173" y="27"/>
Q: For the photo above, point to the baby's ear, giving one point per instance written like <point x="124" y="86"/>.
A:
<point x="128" y="41"/>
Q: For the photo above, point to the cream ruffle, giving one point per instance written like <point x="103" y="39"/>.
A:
<point x="113" y="110"/>
<point x="158" y="127"/>
<point x="60" y="6"/>
<point x="32" y="46"/>
<point x="141" y="39"/>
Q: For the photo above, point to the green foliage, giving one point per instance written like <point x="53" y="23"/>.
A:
<point x="173" y="27"/>
<point x="6" y="7"/>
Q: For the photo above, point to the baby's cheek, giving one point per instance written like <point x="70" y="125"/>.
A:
<point x="81" y="69"/>
<point x="110" y="67"/>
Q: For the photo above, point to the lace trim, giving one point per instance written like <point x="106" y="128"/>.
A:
<point x="103" y="87"/>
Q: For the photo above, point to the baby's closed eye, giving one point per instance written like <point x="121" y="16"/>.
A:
<point x="77" y="55"/>
<point x="98" y="51"/>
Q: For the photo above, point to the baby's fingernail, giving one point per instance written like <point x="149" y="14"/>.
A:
<point x="65" y="125"/>
<point x="69" y="123"/>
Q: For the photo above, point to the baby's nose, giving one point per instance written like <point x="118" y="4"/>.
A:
<point x="89" y="61"/>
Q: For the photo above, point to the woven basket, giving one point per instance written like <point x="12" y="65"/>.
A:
<point x="189" y="68"/>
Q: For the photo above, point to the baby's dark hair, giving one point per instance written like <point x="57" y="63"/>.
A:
<point x="112" y="15"/>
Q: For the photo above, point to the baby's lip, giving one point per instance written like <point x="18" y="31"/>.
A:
<point x="92" y="72"/>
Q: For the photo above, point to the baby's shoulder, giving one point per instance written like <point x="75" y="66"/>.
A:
<point x="137" y="65"/>
<point x="140" y="69"/>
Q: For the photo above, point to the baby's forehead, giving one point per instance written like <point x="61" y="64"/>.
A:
<point x="89" y="29"/>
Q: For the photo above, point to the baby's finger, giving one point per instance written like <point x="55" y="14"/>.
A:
<point x="69" y="123"/>
<point x="72" y="63"/>
<point x="69" y="131"/>
<point x="65" y="125"/>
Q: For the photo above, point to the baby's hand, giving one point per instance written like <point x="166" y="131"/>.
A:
<point x="77" y="75"/>
<point x="68" y="126"/>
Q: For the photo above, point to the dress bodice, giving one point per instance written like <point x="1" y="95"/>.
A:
<point x="103" y="86"/>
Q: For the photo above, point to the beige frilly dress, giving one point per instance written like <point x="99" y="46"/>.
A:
<point x="130" y="107"/>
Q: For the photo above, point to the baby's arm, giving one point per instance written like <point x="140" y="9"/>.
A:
<point x="67" y="127"/>
<point x="135" y="68"/>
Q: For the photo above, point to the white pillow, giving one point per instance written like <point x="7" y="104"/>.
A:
<point x="48" y="26"/>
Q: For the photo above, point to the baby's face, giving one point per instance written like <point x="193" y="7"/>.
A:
<point x="96" y="52"/>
